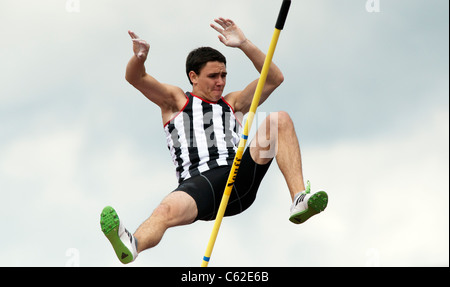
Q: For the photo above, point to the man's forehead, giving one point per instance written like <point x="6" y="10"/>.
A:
<point x="215" y="67"/>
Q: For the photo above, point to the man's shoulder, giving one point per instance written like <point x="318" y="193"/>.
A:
<point x="176" y="97"/>
<point x="231" y="99"/>
<point x="175" y="104"/>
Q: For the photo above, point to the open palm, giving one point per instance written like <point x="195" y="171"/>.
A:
<point x="231" y="34"/>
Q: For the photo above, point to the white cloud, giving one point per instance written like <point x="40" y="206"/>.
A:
<point x="389" y="193"/>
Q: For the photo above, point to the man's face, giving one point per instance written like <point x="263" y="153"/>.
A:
<point x="210" y="83"/>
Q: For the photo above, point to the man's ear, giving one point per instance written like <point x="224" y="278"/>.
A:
<point x="193" y="76"/>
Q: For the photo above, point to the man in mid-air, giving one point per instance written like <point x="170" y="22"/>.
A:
<point x="203" y="130"/>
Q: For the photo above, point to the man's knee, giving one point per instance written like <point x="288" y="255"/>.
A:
<point x="163" y="211"/>
<point x="176" y="209"/>
<point x="284" y="121"/>
<point x="276" y="122"/>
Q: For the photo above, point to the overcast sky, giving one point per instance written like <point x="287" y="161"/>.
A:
<point x="368" y="92"/>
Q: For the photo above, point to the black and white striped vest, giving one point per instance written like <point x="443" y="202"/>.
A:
<point x="202" y="136"/>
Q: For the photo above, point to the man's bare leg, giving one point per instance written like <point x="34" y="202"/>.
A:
<point x="177" y="209"/>
<point x="276" y="137"/>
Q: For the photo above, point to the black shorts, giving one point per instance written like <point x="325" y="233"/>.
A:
<point x="207" y="188"/>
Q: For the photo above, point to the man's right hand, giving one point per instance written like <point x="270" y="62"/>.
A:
<point x="140" y="47"/>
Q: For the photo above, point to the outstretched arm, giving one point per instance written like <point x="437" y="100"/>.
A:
<point x="232" y="36"/>
<point x="167" y="97"/>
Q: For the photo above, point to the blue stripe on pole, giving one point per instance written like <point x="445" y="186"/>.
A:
<point x="206" y="258"/>
<point x="245" y="137"/>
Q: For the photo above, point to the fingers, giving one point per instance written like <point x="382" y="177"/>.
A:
<point x="141" y="44"/>
<point x="135" y="38"/>
<point x="217" y="28"/>
<point x="133" y="35"/>
<point x="223" y="40"/>
<point x="224" y="23"/>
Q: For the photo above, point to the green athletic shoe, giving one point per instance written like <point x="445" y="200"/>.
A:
<point x="306" y="205"/>
<point x="123" y="242"/>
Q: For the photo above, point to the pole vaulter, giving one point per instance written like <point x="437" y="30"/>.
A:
<point x="205" y="141"/>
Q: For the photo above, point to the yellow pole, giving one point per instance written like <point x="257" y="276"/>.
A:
<point x="247" y="127"/>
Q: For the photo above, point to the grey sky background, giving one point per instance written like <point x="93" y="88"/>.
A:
<point x="368" y="92"/>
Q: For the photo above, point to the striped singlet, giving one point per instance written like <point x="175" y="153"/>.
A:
<point x="202" y="136"/>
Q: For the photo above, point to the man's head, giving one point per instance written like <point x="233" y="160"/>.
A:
<point x="206" y="71"/>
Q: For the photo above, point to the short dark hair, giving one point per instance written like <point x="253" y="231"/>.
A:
<point x="198" y="58"/>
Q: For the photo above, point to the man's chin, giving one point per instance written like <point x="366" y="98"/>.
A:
<point x="217" y="94"/>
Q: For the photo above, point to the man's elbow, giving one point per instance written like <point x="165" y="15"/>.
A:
<point x="131" y="79"/>
<point x="127" y="78"/>
<point x="281" y="79"/>
<point x="278" y="80"/>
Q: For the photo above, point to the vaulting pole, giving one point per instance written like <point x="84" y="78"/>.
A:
<point x="237" y="160"/>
